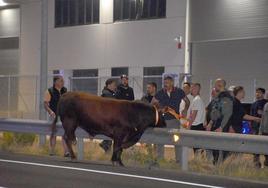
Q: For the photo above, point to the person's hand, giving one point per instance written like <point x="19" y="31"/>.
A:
<point x="184" y="113"/>
<point x="218" y="129"/>
<point x="231" y="130"/>
<point x="52" y="114"/>
<point x="208" y="126"/>
<point x="258" y="120"/>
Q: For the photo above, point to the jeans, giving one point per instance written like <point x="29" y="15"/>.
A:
<point x="199" y="127"/>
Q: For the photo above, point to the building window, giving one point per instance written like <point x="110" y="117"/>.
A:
<point x="152" y="74"/>
<point x="125" y="10"/>
<point x="76" y="12"/>
<point x="55" y="72"/>
<point x="85" y="80"/>
<point x="118" y="71"/>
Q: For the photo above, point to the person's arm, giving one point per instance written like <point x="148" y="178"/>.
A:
<point x="186" y="107"/>
<point x="155" y="102"/>
<point x="192" y="117"/>
<point x="118" y="93"/>
<point x="227" y="111"/>
<point x="264" y="121"/>
<point x="143" y="99"/>
<point x="251" y="118"/>
<point x="47" y="98"/>
<point x="132" y="97"/>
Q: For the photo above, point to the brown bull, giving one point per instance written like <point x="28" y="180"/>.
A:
<point x="123" y="121"/>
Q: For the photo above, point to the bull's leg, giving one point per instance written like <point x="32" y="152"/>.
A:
<point x="69" y="126"/>
<point x="70" y="148"/>
<point x="117" y="152"/>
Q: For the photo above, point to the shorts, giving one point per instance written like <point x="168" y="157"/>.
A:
<point x="53" y="127"/>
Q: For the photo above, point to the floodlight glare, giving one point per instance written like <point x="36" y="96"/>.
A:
<point x="2" y="3"/>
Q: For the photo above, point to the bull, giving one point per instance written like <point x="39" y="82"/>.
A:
<point x="123" y="121"/>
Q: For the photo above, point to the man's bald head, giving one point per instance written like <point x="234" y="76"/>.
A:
<point x="220" y="85"/>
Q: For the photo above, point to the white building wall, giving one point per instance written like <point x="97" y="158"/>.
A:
<point x="30" y="38"/>
<point x="29" y="66"/>
<point x="132" y="44"/>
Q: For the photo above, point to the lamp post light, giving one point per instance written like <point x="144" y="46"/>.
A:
<point x="2" y="3"/>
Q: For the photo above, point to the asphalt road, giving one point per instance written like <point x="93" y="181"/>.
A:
<point x="32" y="171"/>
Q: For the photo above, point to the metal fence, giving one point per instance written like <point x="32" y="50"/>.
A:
<point x="162" y="136"/>
<point x="20" y="95"/>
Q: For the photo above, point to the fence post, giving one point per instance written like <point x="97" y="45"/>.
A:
<point x="184" y="158"/>
<point x="42" y="140"/>
<point x="80" y="149"/>
<point x="8" y="97"/>
<point x="178" y="152"/>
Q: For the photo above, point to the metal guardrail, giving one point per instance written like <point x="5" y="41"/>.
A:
<point x="162" y="136"/>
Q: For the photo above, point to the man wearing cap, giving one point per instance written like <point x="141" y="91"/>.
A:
<point x="124" y="91"/>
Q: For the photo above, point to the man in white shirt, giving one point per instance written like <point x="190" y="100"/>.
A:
<point x="187" y="90"/>
<point x="197" y="110"/>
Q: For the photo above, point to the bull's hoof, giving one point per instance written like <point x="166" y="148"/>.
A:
<point x="118" y="163"/>
<point x="153" y="165"/>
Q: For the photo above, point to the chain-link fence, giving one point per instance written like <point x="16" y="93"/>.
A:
<point x="20" y="95"/>
<point x="95" y="85"/>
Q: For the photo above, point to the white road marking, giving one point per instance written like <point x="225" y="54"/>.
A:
<point x="109" y="173"/>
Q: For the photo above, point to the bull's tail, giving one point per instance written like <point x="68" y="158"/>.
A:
<point x="53" y="126"/>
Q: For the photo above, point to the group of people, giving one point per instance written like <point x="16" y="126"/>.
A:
<point x="224" y="113"/>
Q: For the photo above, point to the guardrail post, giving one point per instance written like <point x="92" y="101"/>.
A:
<point x="80" y="149"/>
<point x="178" y="152"/>
<point x="184" y="158"/>
<point x="42" y="140"/>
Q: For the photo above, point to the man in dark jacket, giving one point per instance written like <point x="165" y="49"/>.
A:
<point x="124" y="91"/>
<point x="108" y="91"/>
<point x="264" y="128"/>
<point x="150" y="92"/>
<point x="219" y="113"/>
<point x="256" y="110"/>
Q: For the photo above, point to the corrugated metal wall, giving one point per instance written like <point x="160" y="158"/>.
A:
<point x="226" y="19"/>
<point x="230" y="40"/>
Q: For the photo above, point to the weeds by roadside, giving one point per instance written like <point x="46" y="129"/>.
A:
<point x="240" y="165"/>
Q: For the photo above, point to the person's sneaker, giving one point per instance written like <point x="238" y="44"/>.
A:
<point x="52" y="153"/>
<point x="258" y="164"/>
<point x="67" y="154"/>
